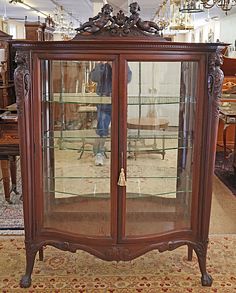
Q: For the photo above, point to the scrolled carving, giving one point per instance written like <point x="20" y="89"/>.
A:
<point x="215" y="79"/>
<point x="66" y="246"/>
<point x="21" y="80"/>
<point x="118" y="253"/>
<point x="120" y="25"/>
<point x="200" y="248"/>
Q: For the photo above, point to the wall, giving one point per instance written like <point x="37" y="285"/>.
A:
<point x="208" y="32"/>
<point x="228" y="29"/>
<point x="155" y="80"/>
<point x="212" y="30"/>
<point x="14" y="28"/>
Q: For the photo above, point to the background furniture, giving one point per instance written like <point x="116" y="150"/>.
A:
<point x="9" y="140"/>
<point x="228" y="117"/>
<point x="228" y="96"/>
<point x="7" y="95"/>
<point x="39" y="31"/>
<point x="126" y="207"/>
<point x="147" y="123"/>
<point x="9" y="149"/>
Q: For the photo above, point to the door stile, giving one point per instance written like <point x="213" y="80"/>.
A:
<point x="37" y="137"/>
<point x="115" y="149"/>
<point x="122" y="157"/>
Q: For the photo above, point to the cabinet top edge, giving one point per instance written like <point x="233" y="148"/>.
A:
<point x="116" y="44"/>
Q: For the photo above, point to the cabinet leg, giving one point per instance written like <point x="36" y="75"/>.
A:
<point x="201" y="250"/>
<point x="25" y="281"/>
<point x="190" y="253"/>
<point x="6" y="179"/>
<point x="12" y="160"/>
<point x="41" y="254"/>
<point x="163" y="145"/>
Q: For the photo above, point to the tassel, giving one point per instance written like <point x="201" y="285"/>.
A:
<point x="122" y="181"/>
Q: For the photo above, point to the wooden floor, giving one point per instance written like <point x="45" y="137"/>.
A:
<point x="223" y="211"/>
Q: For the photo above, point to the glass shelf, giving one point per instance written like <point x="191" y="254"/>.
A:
<point x="68" y="98"/>
<point x="104" y="195"/>
<point x="100" y="177"/>
<point x="68" y="134"/>
<point x="108" y="151"/>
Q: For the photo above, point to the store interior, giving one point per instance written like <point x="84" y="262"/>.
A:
<point x="80" y="136"/>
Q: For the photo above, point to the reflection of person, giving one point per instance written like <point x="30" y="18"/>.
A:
<point x="102" y="75"/>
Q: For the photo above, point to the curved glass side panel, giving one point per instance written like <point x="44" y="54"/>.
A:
<point x="76" y="135"/>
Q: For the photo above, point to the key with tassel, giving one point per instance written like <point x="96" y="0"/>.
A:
<point x="121" y="180"/>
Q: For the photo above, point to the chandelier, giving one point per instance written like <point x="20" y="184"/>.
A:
<point x="63" y="23"/>
<point x="180" y="21"/>
<point x="193" y="6"/>
<point x="161" y="16"/>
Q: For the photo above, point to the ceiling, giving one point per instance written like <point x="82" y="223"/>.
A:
<point x="83" y="9"/>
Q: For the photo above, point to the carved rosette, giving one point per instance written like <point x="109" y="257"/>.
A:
<point x="21" y="80"/>
<point x="215" y="79"/>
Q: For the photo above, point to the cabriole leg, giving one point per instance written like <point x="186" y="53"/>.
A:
<point x="41" y="254"/>
<point x="190" y="253"/>
<point x="25" y="281"/>
<point x="201" y="252"/>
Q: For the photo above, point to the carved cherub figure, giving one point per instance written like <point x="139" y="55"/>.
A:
<point x="97" y="22"/>
<point x="134" y="19"/>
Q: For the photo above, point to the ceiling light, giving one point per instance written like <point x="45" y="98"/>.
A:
<point x="193" y="6"/>
<point x="180" y="21"/>
<point x="27" y="6"/>
<point x="23" y="5"/>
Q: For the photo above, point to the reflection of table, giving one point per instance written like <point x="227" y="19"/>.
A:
<point x="228" y="117"/>
<point x="147" y="123"/>
<point x="9" y="149"/>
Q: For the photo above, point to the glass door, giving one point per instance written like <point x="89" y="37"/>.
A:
<point x="78" y="98"/>
<point x="159" y="156"/>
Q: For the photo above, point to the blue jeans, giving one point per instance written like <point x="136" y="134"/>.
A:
<point x="103" y="119"/>
<point x="103" y="122"/>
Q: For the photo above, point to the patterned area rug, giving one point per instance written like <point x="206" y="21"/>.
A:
<point x="225" y="172"/>
<point x="154" y="272"/>
<point x="11" y="215"/>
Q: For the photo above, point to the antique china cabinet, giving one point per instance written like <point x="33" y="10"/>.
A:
<point x="158" y="101"/>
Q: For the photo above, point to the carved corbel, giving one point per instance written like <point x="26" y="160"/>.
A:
<point x="215" y="79"/>
<point x="21" y="80"/>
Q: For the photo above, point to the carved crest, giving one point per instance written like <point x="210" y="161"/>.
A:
<point x="120" y="25"/>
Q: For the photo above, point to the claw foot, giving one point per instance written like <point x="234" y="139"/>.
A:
<point x="206" y="280"/>
<point x="25" y="281"/>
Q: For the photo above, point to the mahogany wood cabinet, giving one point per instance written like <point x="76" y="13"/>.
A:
<point x="153" y="188"/>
